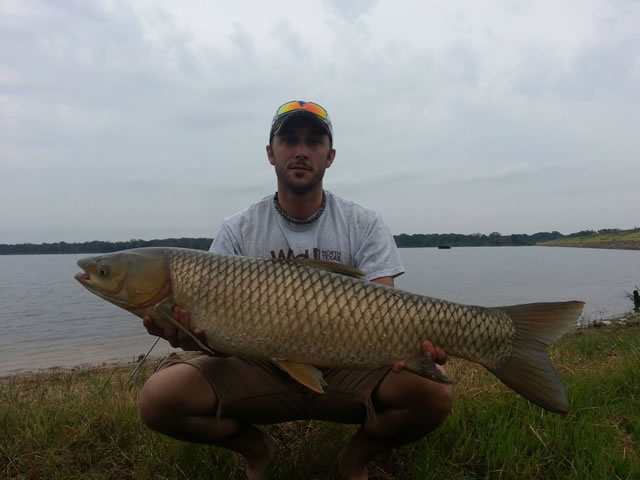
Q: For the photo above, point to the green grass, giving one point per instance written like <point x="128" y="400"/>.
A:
<point x="620" y="237"/>
<point x="83" y="424"/>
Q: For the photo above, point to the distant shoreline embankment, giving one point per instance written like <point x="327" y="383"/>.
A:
<point x="608" y="238"/>
<point x="611" y="239"/>
<point x="609" y="245"/>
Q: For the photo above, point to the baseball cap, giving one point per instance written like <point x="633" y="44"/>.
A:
<point x="298" y="108"/>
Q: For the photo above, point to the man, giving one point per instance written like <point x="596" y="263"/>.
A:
<point x="218" y="400"/>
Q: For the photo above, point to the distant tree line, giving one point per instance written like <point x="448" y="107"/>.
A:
<point x="102" y="247"/>
<point x="403" y="241"/>
<point x="588" y="233"/>
<point x="473" y="240"/>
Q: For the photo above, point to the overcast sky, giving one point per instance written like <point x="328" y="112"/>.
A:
<point x="140" y="119"/>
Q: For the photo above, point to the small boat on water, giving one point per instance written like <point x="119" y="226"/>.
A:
<point x="444" y="247"/>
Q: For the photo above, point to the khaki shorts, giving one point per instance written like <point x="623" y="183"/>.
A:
<point x="259" y="392"/>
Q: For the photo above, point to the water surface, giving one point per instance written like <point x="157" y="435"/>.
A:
<point x="491" y="276"/>
<point x="48" y="319"/>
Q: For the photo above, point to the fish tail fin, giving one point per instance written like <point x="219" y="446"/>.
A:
<point x="529" y="370"/>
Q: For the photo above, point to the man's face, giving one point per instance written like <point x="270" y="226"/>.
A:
<point x="300" y="155"/>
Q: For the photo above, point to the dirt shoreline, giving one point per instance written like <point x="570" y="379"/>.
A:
<point x="84" y="367"/>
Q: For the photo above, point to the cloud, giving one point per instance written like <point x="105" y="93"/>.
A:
<point x="243" y="41"/>
<point x="605" y="67"/>
<point x="352" y="11"/>
<point x="141" y="116"/>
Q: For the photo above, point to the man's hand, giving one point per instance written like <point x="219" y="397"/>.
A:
<point x="174" y="335"/>
<point x="437" y="354"/>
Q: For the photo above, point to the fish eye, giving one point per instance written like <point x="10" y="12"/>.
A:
<point x="104" y="270"/>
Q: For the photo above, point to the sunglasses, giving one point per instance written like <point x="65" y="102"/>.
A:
<point x="308" y="106"/>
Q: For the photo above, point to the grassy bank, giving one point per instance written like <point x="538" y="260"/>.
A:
<point x="83" y="425"/>
<point x="623" y="239"/>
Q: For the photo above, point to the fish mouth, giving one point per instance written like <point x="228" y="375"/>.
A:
<point x="82" y="277"/>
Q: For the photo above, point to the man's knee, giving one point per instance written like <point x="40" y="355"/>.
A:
<point x="153" y="404"/>
<point x="172" y="394"/>
<point x="440" y="397"/>
<point x="431" y="405"/>
<point x="428" y="403"/>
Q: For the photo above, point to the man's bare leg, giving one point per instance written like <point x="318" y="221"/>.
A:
<point x="408" y="407"/>
<point x="179" y="402"/>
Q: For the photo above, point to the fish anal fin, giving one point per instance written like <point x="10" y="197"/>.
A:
<point x="307" y="375"/>
<point x="529" y="370"/>
<point x="427" y="368"/>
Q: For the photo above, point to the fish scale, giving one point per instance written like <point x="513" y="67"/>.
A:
<point x="305" y="308"/>
<point x="307" y="314"/>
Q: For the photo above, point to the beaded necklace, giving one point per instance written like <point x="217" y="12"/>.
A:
<point x="306" y="221"/>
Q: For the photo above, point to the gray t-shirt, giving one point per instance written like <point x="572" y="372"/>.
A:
<point x="345" y="233"/>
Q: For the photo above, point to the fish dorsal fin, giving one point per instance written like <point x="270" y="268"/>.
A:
<point x="307" y="375"/>
<point x="330" y="267"/>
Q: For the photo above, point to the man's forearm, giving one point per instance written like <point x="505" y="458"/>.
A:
<point x="388" y="281"/>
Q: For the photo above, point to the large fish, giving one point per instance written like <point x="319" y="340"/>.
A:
<point x="306" y="314"/>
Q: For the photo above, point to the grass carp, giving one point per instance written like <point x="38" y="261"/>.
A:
<point x="304" y="314"/>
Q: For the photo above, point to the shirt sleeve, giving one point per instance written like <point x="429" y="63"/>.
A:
<point x="378" y="254"/>
<point x="225" y="243"/>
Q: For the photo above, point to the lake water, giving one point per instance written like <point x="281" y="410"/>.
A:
<point x="47" y="319"/>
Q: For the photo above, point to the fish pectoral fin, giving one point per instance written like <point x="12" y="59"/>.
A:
<point x="164" y="311"/>
<point x="307" y="375"/>
<point x="427" y="368"/>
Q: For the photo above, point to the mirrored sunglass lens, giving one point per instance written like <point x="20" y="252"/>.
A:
<point x="317" y="109"/>
<point x="287" y="107"/>
<point x="310" y="107"/>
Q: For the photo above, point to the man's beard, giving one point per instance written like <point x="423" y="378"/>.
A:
<point x="297" y="187"/>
